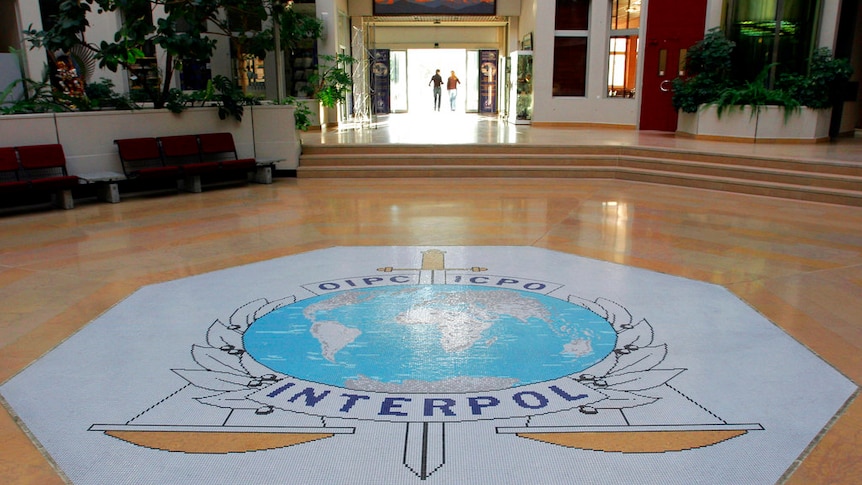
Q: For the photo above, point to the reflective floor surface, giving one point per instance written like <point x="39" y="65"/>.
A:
<point x="797" y="264"/>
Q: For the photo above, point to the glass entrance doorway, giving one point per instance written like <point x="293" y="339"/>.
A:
<point x="411" y="93"/>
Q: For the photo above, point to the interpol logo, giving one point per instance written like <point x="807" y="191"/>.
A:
<point x="428" y="347"/>
<point x="449" y="365"/>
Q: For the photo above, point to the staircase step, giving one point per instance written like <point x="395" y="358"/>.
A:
<point x="832" y="182"/>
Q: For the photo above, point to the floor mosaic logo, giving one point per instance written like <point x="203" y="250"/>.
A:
<point x="427" y="348"/>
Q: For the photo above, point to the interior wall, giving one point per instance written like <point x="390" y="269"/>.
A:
<point x="105" y="26"/>
<point x="829" y="23"/>
<point x="30" y="17"/>
<point x="714" y="11"/>
<point x="443" y="37"/>
<point x="593" y="108"/>
<point x="9" y="73"/>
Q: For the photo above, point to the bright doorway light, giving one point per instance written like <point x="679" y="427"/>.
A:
<point x="421" y="64"/>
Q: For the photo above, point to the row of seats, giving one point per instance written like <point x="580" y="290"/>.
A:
<point x="182" y="156"/>
<point x="183" y="159"/>
<point x="32" y="169"/>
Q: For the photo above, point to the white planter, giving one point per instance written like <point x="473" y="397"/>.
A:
<point x="274" y="135"/>
<point x="313" y="105"/>
<point x="806" y="124"/>
<point x="88" y="137"/>
<point x="768" y="124"/>
<point x="35" y="129"/>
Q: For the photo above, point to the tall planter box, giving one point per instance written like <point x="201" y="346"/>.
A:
<point x="804" y="125"/>
<point x="274" y="135"/>
<point x="266" y="132"/>
<point x="769" y="124"/>
<point x="34" y="129"/>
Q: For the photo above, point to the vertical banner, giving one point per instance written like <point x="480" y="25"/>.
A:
<point x="380" y="81"/>
<point x="488" y="81"/>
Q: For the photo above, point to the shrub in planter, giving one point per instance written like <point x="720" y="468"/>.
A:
<point x="821" y="87"/>
<point x="220" y="91"/>
<point x="708" y="68"/>
<point x="101" y="94"/>
<point x="331" y="81"/>
<point x="755" y="94"/>
<point x="708" y="81"/>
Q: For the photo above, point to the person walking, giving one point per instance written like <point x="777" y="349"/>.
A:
<point x="437" y="80"/>
<point x="452" y="85"/>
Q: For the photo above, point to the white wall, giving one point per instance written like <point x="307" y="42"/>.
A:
<point x="9" y="73"/>
<point x="327" y="11"/>
<point x="713" y="13"/>
<point x="104" y="27"/>
<point x="35" y="129"/>
<point x="30" y="17"/>
<point x="443" y="37"/>
<point x="593" y="108"/>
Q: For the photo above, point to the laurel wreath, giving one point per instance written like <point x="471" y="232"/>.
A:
<point x="229" y="372"/>
<point x="630" y="369"/>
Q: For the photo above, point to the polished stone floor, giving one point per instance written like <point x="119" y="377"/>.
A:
<point x="798" y="264"/>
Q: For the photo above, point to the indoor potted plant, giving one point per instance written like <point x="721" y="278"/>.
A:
<point x="330" y="82"/>
<point x="713" y="104"/>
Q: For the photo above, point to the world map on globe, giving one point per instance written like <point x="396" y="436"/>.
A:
<point x="424" y="338"/>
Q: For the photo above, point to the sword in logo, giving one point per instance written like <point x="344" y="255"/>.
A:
<point x="425" y="442"/>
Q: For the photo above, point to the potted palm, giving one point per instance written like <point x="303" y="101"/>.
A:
<point x="330" y="82"/>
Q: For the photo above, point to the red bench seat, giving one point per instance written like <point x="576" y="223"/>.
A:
<point x="37" y="169"/>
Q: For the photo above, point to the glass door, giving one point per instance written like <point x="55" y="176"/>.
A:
<point x="398" y="81"/>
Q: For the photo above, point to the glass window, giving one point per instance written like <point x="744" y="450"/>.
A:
<point x="572" y="15"/>
<point x="622" y="67"/>
<point x="625" y="14"/>
<point x="623" y="48"/>
<point x="773" y="33"/>
<point x="570" y="47"/>
<point x="570" y="66"/>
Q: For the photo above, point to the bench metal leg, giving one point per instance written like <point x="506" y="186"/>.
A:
<point x="263" y="175"/>
<point x="63" y="198"/>
<point x="108" y="192"/>
<point x="192" y="184"/>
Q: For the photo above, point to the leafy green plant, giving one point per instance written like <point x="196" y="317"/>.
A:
<point x="101" y="94"/>
<point x="297" y="27"/>
<point x="331" y="81"/>
<point x="711" y="56"/>
<point x="302" y="114"/>
<point x="136" y="32"/>
<point x="38" y="97"/>
<point x="28" y="96"/>
<point x="708" y="69"/>
<point x="708" y="81"/>
<point x="220" y="91"/>
<point x="181" y="33"/>
<point x="755" y="94"/>
<point x="230" y="98"/>
<point x="821" y="88"/>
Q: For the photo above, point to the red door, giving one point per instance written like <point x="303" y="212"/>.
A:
<point x="672" y="27"/>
